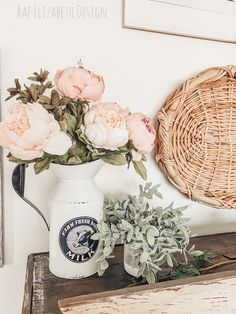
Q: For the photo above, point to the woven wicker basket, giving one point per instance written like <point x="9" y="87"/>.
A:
<point x="196" y="144"/>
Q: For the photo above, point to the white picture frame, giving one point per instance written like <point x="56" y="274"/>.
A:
<point x="1" y="211"/>
<point x="204" y="19"/>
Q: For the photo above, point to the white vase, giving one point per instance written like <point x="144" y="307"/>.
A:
<point x="76" y="208"/>
<point x="130" y="262"/>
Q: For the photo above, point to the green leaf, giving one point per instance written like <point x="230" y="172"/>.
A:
<point x="76" y="109"/>
<point x="48" y="85"/>
<point x="154" y="231"/>
<point x="107" y="251"/>
<point x="16" y="160"/>
<point x="58" y="112"/>
<point x="150" y="238"/>
<point x="114" y="159"/>
<point x="126" y="225"/>
<point x="42" y="165"/>
<point x="39" y="77"/>
<point x="48" y="107"/>
<point x="151" y="278"/>
<point x="101" y="258"/>
<point x="158" y="194"/>
<point x="104" y="226"/>
<point x="78" y="150"/>
<point x="148" y="185"/>
<point x="202" y="260"/>
<point x="144" y="257"/>
<point x="71" y="122"/>
<point x="82" y="137"/>
<point x="32" y="78"/>
<point x="142" y="269"/>
<point x="196" y="253"/>
<point x="17" y="83"/>
<point x="43" y="75"/>
<point x="169" y="260"/>
<point x="12" y="90"/>
<point x="182" y="208"/>
<point x="76" y="160"/>
<point x="10" y="97"/>
<point x="55" y="98"/>
<point x="44" y="99"/>
<point x="64" y="101"/>
<point x="130" y="234"/>
<point x="136" y="245"/>
<point x="34" y="91"/>
<point x="100" y="271"/>
<point x="183" y="271"/>
<point x="140" y="169"/>
<point x="104" y="264"/>
<point x="63" y="125"/>
<point x="62" y="159"/>
<point x="192" y="248"/>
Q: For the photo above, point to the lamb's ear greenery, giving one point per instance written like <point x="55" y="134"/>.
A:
<point x="153" y="234"/>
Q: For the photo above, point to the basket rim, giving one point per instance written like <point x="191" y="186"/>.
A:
<point x="165" y="118"/>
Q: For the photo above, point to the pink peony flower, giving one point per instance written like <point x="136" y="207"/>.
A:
<point x="105" y="126"/>
<point x="79" y="83"/>
<point x="29" y="130"/>
<point x="141" y="132"/>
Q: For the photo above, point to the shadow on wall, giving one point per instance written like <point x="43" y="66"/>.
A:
<point x="216" y="220"/>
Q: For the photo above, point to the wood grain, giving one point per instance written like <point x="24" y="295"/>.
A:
<point x="43" y="290"/>
<point x="27" y="306"/>
<point x="211" y="295"/>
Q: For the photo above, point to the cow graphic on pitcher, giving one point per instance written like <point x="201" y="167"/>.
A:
<point x="75" y="239"/>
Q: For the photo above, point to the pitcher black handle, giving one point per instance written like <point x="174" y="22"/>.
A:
<point x="18" y="183"/>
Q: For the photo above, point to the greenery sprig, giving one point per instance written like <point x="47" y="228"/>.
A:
<point x="154" y="235"/>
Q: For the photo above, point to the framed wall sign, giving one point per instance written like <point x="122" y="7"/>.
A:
<point x="1" y="210"/>
<point x="211" y="19"/>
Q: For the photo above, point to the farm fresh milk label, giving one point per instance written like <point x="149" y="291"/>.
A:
<point x="75" y="239"/>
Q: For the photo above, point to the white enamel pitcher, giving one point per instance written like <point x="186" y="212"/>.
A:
<point x="76" y="206"/>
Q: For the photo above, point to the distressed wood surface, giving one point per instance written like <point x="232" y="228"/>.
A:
<point x="1" y="211"/>
<point x="43" y="290"/>
<point x="207" y="294"/>
<point x="28" y="285"/>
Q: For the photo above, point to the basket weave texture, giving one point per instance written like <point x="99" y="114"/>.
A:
<point x="196" y="137"/>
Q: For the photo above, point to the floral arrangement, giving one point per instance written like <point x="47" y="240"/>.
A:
<point x="67" y="124"/>
<point x="152" y="235"/>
